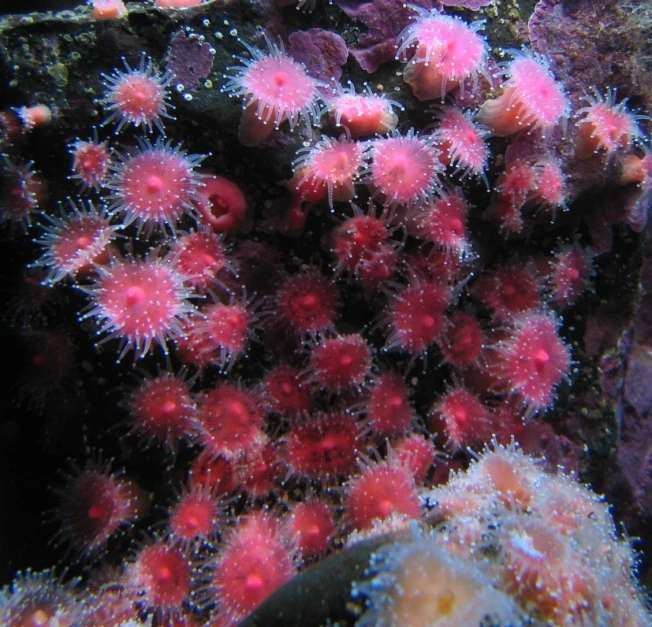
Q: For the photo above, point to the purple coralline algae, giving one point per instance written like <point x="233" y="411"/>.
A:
<point x="189" y="59"/>
<point x="322" y="52"/>
<point x="565" y="31"/>
<point x="474" y="5"/>
<point x="384" y="20"/>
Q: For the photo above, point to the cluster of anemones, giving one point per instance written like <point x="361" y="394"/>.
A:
<point x="513" y="542"/>
<point x="329" y="417"/>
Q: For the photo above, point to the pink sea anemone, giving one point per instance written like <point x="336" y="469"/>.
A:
<point x="388" y="409"/>
<point x="155" y="185"/>
<point x="94" y="505"/>
<point x="162" y="410"/>
<point x="532" y="360"/>
<point x="108" y="9"/>
<point x="509" y="290"/>
<point x="137" y="96"/>
<point x="464" y="418"/>
<point x="463" y="340"/>
<point x="358" y="238"/>
<point x="550" y="189"/>
<point x="310" y="524"/>
<point x="570" y="269"/>
<point x="308" y="302"/>
<point x="443" y="222"/>
<point x="447" y="52"/>
<point x="141" y="302"/>
<point x="275" y="89"/>
<point x="324" y="446"/>
<point x="251" y="564"/>
<point x="75" y="241"/>
<point x="91" y="160"/>
<point x="199" y="257"/>
<point x="341" y="363"/>
<point x="382" y="490"/>
<point x="462" y="143"/>
<point x="363" y="114"/>
<point x="328" y="169"/>
<point x="404" y="168"/>
<point x="36" y="115"/>
<point x="605" y="126"/>
<point x="161" y="575"/>
<point x="222" y="204"/>
<point x="416" y="317"/>
<point x="530" y="99"/>
<point x="230" y="420"/>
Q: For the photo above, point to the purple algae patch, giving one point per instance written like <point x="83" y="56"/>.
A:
<point x="322" y="52"/>
<point x="384" y="19"/>
<point x="565" y="32"/>
<point x="474" y="5"/>
<point x="189" y="58"/>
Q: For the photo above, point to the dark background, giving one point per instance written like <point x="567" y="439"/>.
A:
<point x="27" y="6"/>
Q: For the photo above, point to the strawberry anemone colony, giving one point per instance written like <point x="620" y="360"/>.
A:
<point x="320" y="355"/>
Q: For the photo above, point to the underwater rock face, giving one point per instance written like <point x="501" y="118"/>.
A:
<point x="275" y="278"/>
<point x="629" y="487"/>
